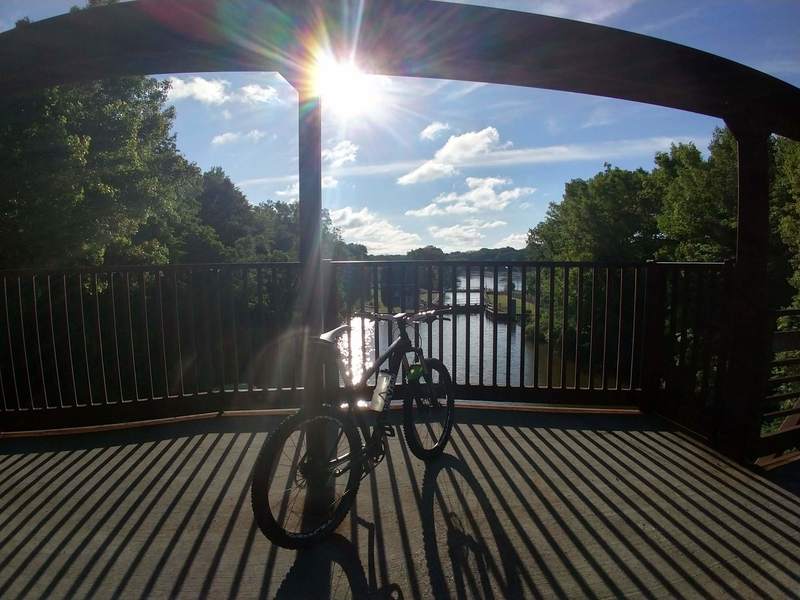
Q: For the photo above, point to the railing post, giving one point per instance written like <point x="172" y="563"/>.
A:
<point x="653" y="342"/>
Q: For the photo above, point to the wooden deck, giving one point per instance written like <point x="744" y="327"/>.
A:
<point x="523" y="505"/>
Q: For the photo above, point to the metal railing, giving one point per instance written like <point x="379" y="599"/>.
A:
<point x="780" y="409"/>
<point x="123" y="343"/>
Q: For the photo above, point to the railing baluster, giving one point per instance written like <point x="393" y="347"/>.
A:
<point x="440" y="271"/>
<point x="591" y="327"/>
<point x="634" y="332"/>
<point x="453" y="331"/>
<point x="564" y="313"/>
<point x="256" y="348"/>
<point x="551" y="294"/>
<point x="146" y="326"/>
<point x="220" y="328"/>
<point x="523" y="321"/>
<point x="85" y="345"/>
<point x="416" y="302"/>
<point x="511" y="319"/>
<point x="176" y="301"/>
<point x="605" y="329"/>
<point x="130" y="335"/>
<point x="576" y="380"/>
<point x="684" y="318"/>
<point x="496" y="309"/>
<point x="10" y="344"/>
<point x="96" y="290"/>
<point x="159" y="275"/>
<point x="699" y="298"/>
<point x="617" y="384"/>
<point x="482" y="313"/>
<point x="191" y="295"/>
<point x="468" y="318"/>
<point x="116" y="334"/>
<point x="234" y="329"/>
<point x="376" y="304"/>
<point x="363" y="280"/>
<point x="55" y="348"/>
<point x="536" y="325"/>
<point x="430" y="305"/>
<point x="39" y="340"/>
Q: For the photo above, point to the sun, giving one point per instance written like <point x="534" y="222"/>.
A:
<point x="345" y="89"/>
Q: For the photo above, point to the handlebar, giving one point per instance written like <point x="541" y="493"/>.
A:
<point x="424" y="316"/>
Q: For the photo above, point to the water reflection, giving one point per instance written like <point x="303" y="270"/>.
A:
<point x="500" y="348"/>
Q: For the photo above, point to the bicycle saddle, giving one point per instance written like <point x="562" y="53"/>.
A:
<point x="330" y="336"/>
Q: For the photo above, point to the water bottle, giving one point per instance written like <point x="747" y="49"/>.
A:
<point x="380" y="394"/>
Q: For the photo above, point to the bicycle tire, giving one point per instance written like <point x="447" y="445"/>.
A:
<point x="268" y="467"/>
<point x="412" y="416"/>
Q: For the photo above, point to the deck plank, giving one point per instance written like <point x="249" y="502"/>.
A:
<point x="521" y="505"/>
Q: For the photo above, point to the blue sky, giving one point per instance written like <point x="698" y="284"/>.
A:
<point x="410" y="162"/>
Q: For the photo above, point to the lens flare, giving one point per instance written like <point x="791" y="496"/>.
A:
<point x="345" y="89"/>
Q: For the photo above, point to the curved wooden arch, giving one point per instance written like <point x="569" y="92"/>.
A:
<point x="417" y="38"/>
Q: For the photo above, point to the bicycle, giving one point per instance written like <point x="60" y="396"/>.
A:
<point x="316" y="458"/>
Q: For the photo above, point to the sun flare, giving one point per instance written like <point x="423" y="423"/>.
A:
<point x="345" y="89"/>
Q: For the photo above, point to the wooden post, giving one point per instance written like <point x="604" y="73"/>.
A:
<point x="745" y="385"/>
<point x="310" y="207"/>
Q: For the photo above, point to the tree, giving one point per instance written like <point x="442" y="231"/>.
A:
<point x="698" y="210"/>
<point x="608" y="217"/>
<point x="426" y="253"/>
<point x="91" y="172"/>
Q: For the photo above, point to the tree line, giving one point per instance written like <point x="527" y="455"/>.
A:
<point x="91" y="175"/>
<point x="684" y="209"/>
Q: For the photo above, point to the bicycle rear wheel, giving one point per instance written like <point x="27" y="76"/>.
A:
<point x="306" y="477"/>
<point x="429" y="412"/>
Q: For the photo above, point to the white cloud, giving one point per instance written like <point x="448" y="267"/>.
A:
<point x="290" y="192"/>
<point x="207" y="91"/>
<point x="225" y="138"/>
<point x="487" y="151"/>
<point x="599" y="117"/>
<point x="217" y="91"/>
<point x="226" y="114"/>
<point x="464" y="236"/>
<point x="432" y="131"/>
<point x="254" y="93"/>
<point x="231" y="136"/>
<point x="482" y="195"/>
<point x="637" y="148"/>
<point x="377" y="234"/>
<point x="255" y="134"/>
<point x="342" y="153"/>
<point x="329" y="182"/>
<point x="515" y="240"/>
<point x="457" y="150"/>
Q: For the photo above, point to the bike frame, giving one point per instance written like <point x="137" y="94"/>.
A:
<point x="396" y="355"/>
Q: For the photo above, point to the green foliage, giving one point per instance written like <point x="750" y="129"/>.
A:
<point x="426" y="253"/>
<point x="683" y="210"/>
<point x="83" y="169"/>
<point x="698" y="200"/>
<point x="611" y="216"/>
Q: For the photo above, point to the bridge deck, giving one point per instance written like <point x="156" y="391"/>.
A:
<point x="523" y="505"/>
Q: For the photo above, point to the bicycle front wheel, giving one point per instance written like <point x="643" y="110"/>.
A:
<point x="429" y="412"/>
<point x="306" y="477"/>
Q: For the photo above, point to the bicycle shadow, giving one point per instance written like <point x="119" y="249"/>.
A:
<point x="333" y="569"/>
<point x="467" y="549"/>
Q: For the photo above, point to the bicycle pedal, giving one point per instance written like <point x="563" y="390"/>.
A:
<point x="388" y="431"/>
